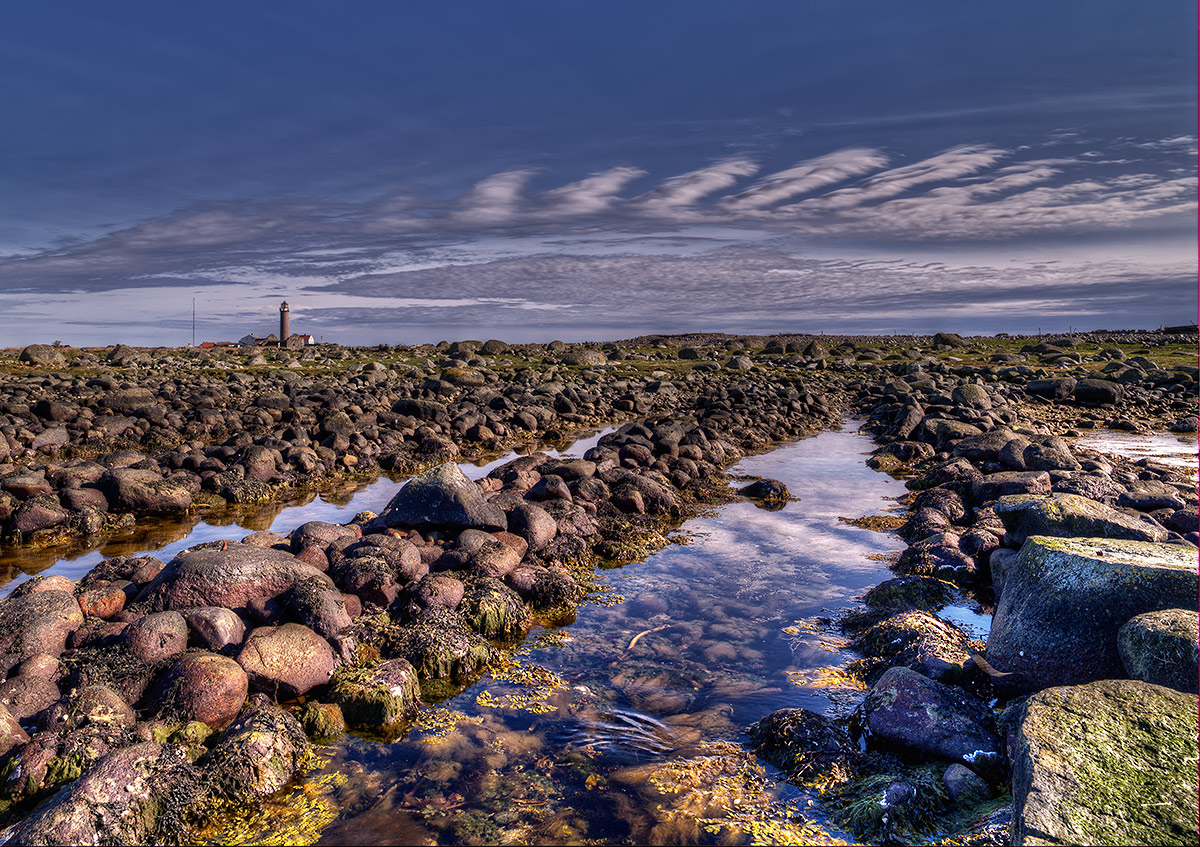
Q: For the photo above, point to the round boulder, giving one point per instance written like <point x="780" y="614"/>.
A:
<point x="204" y="687"/>
<point x="287" y="660"/>
<point x="1161" y="647"/>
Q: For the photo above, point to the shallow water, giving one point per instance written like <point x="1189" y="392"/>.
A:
<point x="627" y="726"/>
<point x="1169" y="448"/>
<point x="165" y="538"/>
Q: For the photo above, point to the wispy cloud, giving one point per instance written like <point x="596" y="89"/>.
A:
<point x="495" y="201"/>
<point x="806" y="177"/>
<point x="680" y="194"/>
<point x="597" y="193"/>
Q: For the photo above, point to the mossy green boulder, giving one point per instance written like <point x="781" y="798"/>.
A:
<point x="1069" y="516"/>
<point x="1065" y="599"/>
<point x="1161" y="647"/>
<point x="377" y="696"/>
<point x="1110" y="762"/>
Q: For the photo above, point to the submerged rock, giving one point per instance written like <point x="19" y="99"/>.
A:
<point x="1110" y="762"/>
<point x="1065" y="598"/>
<point x="806" y="746"/>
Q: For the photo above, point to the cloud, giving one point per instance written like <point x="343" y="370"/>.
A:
<point x="805" y="177"/>
<point x="597" y="193"/>
<point x="676" y="195"/>
<point x="495" y="200"/>
<point x="956" y="162"/>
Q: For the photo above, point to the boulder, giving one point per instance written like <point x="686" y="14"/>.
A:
<point x="215" y="628"/>
<point x="36" y="623"/>
<point x="26" y="696"/>
<point x="913" y="711"/>
<point x="921" y="641"/>
<point x="804" y="744"/>
<point x="1068" y="516"/>
<point x="1096" y="392"/>
<point x="445" y="498"/>
<point x="493" y="609"/>
<point x="157" y="636"/>
<point x="230" y="578"/>
<point x="1065" y="599"/>
<point x="203" y="687"/>
<point x="996" y="485"/>
<point x="1161" y="647"/>
<point x="1110" y="762"/>
<point x="42" y="355"/>
<point x="287" y="660"/>
<point x="11" y="734"/>
<point x="379" y="696"/>
<point x="258" y="754"/>
<point x="100" y="706"/>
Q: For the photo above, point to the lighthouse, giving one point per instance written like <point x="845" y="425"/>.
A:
<point x="284" y="315"/>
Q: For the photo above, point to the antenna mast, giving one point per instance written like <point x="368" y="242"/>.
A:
<point x="193" y="321"/>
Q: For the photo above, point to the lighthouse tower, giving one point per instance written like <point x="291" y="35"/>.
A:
<point x="284" y="315"/>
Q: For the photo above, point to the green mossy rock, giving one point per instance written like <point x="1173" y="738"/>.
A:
<point x="1069" y="516"/>
<point x="1161" y="647"/>
<point x="377" y="696"/>
<point x="1110" y="762"/>
<point x="1065" y="598"/>
<point x="493" y="609"/>
<point x="257" y="754"/>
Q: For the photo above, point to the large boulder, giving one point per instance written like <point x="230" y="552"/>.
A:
<point x="913" y="711"/>
<point x="442" y="497"/>
<point x="118" y="801"/>
<point x="36" y="623"/>
<point x="203" y="687"/>
<point x="1065" y="598"/>
<point x="1110" y="762"/>
<point x="1069" y="516"/>
<point x="144" y="492"/>
<point x="230" y="578"/>
<point x="287" y="660"/>
<point x="42" y="355"/>
<point x="1161" y="647"/>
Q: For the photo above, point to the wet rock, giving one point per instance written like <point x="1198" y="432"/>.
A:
<point x="1068" y="516"/>
<point x="113" y="666"/>
<point x="439" y="646"/>
<point x="921" y="641"/>
<point x="964" y="786"/>
<point x="377" y="696"/>
<point x="1148" y="495"/>
<point x="203" y="687"/>
<point x="99" y="705"/>
<point x="215" y="628"/>
<point x="230" y="578"/>
<point x="1161" y="648"/>
<point x="909" y="592"/>
<point x="102" y="601"/>
<point x="317" y="606"/>
<point x="25" y="696"/>
<point x="939" y="556"/>
<point x="445" y="498"/>
<point x="910" y="710"/>
<point x="1064" y="600"/>
<point x="288" y="660"/>
<point x="118" y="801"/>
<point x="770" y="490"/>
<point x="36" y="623"/>
<point x="144" y="492"/>
<point x="157" y="636"/>
<point x="258" y="754"/>
<point x="1110" y="762"/>
<point x="39" y="512"/>
<point x="493" y="609"/>
<point x="322" y="721"/>
<point x="805" y="745"/>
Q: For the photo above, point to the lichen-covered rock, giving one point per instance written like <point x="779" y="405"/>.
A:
<point x="118" y="801"/>
<point x="257" y="755"/>
<point x="1065" y="598"/>
<point x="442" y="497"/>
<point x="230" y="578"/>
<point x="921" y="641"/>
<point x="144" y="492"/>
<point x="1110" y="762"/>
<point x="377" y="696"/>
<point x="1069" y="516"/>
<point x="1161" y="647"/>
<point x="287" y="660"/>
<point x="493" y="609"/>
<point x="911" y="710"/>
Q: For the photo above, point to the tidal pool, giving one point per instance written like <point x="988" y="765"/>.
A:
<point x="1169" y="448"/>
<point x="164" y="538"/>
<point x="627" y="726"/>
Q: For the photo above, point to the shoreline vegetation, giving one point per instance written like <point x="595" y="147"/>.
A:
<point x="148" y="696"/>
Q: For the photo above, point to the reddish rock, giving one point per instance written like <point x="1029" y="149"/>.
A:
<point x="314" y="556"/>
<point x="204" y="687"/>
<point x="444" y="591"/>
<point x="25" y="696"/>
<point x="11" y="734"/>
<point x="287" y="660"/>
<point x="41" y="665"/>
<point x="43" y="582"/>
<point x="215" y="627"/>
<point x="36" y="623"/>
<point x="158" y="636"/>
<point x="102" y="601"/>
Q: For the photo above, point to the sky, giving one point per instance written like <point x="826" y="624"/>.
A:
<point x="411" y="172"/>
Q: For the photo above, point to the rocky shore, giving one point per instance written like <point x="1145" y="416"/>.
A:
<point x="144" y="695"/>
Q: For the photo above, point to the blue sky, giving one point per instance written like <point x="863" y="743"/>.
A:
<point x="532" y="170"/>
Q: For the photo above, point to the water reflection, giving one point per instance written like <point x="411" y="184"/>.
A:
<point x="337" y="503"/>
<point x="1177" y="449"/>
<point x="630" y="728"/>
